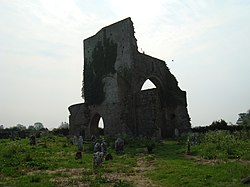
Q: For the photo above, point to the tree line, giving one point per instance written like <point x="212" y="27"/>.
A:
<point x="243" y="123"/>
<point x="21" y="131"/>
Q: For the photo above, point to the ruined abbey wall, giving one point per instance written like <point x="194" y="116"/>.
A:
<point x="114" y="72"/>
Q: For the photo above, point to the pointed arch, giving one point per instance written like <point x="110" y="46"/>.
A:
<point x="151" y="82"/>
<point x="97" y="125"/>
<point x="148" y="84"/>
<point x="101" y="123"/>
<point x="153" y="85"/>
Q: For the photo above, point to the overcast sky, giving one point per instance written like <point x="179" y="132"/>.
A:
<point x="41" y="53"/>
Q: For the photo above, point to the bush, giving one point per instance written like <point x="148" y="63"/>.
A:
<point x="224" y="145"/>
<point x="12" y="150"/>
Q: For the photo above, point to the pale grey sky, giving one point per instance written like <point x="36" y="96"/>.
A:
<point x="41" y="53"/>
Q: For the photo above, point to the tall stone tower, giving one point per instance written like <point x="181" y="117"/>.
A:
<point x="114" y="72"/>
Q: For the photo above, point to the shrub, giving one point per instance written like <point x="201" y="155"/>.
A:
<point x="13" y="149"/>
<point x="223" y="144"/>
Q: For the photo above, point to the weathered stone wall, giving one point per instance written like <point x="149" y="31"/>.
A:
<point x="79" y="118"/>
<point x="114" y="72"/>
<point x="121" y="35"/>
<point x="148" y="112"/>
<point x="172" y="99"/>
<point x="111" y="117"/>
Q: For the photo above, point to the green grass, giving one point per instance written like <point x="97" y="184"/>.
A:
<point x="52" y="163"/>
<point x="224" y="145"/>
<point x="176" y="169"/>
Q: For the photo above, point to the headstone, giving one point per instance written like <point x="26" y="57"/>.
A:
<point x="104" y="147"/>
<point x="119" y="145"/>
<point x="97" y="159"/>
<point x="194" y="139"/>
<point x="108" y="157"/>
<point x="78" y="155"/>
<point x="188" y="146"/>
<point x="150" y="146"/>
<point x="97" y="147"/>
<point x="176" y="133"/>
<point x="75" y="141"/>
<point x="93" y="138"/>
<point x="32" y="140"/>
<point x="149" y="149"/>
<point x="80" y="144"/>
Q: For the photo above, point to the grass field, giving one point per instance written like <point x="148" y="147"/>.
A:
<point x="52" y="163"/>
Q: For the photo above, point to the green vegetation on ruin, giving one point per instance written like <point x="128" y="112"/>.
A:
<point x="217" y="158"/>
<point x="102" y="64"/>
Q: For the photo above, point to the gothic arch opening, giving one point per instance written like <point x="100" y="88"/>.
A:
<point x="97" y="125"/>
<point x="148" y="84"/>
<point x="150" y="113"/>
<point x="151" y="83"/>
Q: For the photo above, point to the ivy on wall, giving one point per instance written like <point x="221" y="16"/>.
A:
<point x="103" y="63"/>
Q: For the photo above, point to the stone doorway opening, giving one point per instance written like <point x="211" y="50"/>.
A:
<point x="97" y="125"/>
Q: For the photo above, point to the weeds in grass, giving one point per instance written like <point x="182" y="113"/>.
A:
<point x="35" y="179"/>
<point x="121" y="183"/>
<point x="12" y="149"/>
<point x="40" y="165"/>
<point x="223" y="145"/>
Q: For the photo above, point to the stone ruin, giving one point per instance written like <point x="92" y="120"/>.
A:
<point x="114" y="73"/>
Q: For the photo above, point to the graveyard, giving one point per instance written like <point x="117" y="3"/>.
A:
<point x="135" y="85"/>
<point x="217" y="158"/>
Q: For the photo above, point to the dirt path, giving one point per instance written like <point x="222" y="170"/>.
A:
<point x="137" y="177"/>
<point x="82" y="177"/>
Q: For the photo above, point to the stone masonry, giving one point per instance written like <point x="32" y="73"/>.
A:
<point x="114" y="72"/>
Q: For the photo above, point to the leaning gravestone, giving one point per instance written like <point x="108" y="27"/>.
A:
<point x="119" y="145"/>
<point x="80" y="144"/>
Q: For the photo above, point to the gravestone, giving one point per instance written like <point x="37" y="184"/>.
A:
<point x="104" y="147"/>
<point x="75" y="140"/>
<point x="98" y="159"/>
<point x="109" y="157"/>
<point x="78" y="155"/>
<point x="97" y="147"/>
<point x="188" y="146"/>
<point x="119" y="145"/>
<point x="176" y="133"/>
<point x="80" y="144"/>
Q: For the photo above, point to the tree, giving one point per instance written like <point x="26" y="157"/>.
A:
<point x="64" y="125"/>
<point x="1" y="127"/>
<point x="31" y="128"/>
<point x="244" y="119"/>
<point x="20" y="127"/>
<point x="63" y="129"/>
<point x="38" y="126"/>
<point x="218" y="125"/>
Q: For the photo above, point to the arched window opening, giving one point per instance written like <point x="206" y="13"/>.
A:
<point x="101" y="124"/>
<point x="97" y="125"/>
<point x="148" y="84"/>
